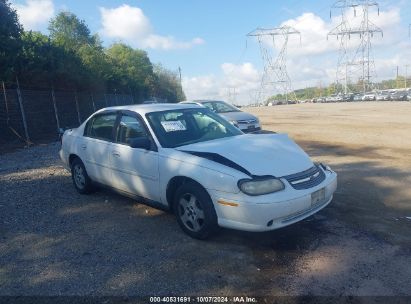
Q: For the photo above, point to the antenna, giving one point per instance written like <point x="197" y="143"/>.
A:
<point x="275" y="77"/>
<point x="357" y="59"/>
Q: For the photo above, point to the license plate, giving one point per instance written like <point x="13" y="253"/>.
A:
<point x="317" y="197"/>
<point x="251" y="127"/>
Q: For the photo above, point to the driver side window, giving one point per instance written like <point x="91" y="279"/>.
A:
<point x="130" y="128"/>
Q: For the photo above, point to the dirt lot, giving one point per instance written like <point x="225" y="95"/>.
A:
<point x="54" y="241"/>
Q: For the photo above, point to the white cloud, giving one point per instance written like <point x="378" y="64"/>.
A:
<point x="244" y="78"/>
<point x="168" y="42"/>
<point x="201" y="87"/>
<point x="125" y="22"/>
<point x="314" y="31"/>
<point x="35" y="14"/>
<point x="129" y="24"/>
<point x="313" y="61"/>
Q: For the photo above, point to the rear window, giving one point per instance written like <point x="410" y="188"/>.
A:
<point x="101" y="127"/>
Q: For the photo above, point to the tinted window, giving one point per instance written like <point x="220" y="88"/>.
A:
<point x="130" y="128"/>
<point x="101" y="126"/>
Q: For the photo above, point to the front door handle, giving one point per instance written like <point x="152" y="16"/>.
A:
<point x="84" y="147"/>
<point x="116" y="154"/>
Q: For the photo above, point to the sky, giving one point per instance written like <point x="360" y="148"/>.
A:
<point x="208" y="39"/>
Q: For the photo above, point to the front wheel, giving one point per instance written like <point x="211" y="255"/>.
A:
<point x="81" y="180"/>
<point x="195" y="212"/>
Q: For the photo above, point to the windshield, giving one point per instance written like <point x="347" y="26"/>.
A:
<point x="220" y="107"/>
<point x="176" y="128"/>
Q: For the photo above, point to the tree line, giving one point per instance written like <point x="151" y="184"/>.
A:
<point x="314" y="92"/>
<point x="70" y="57"/>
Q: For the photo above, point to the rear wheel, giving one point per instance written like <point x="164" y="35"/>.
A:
<point x="81" y="180"/>
<point x="194" y="210"/>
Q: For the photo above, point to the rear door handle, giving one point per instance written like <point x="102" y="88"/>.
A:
<point x="116" y="154"/>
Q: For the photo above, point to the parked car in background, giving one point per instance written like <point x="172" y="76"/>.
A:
<point x="399" y="95"/>
<point x="368" y="97"/>
<point x="383" y="95"/>
<point x="246" y="122"/>
<point x="188" y="159"/>
<point x="348" y="97"/>
<point x="357" y="97"/>
<point x="339" y="98"/>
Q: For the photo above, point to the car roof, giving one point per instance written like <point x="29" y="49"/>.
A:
<point x="207" y="100"/>
<point x="152" y="107"/>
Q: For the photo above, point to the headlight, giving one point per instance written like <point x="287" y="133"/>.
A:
<point x="234" y="123"/>
<point x="260" y="186"/>
<point x="324" y="167"/>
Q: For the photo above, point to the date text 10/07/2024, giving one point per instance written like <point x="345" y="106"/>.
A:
<point x="238" y="299"/>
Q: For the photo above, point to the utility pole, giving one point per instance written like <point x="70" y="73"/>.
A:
<point x="275" y="77"/>
<point x="181" y="83"/>
<point x="23" y="113"/>
<point x="406" y="75"/>
<point x="349" y="61"/>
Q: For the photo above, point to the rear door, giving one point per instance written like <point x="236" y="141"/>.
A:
<point x="134" y="170"/>
<point x="96" y="145"/>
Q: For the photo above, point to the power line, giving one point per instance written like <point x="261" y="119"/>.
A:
<point x="350" y="58"/>
<point x="275" y="76"/>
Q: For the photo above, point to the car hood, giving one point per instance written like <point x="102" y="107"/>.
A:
<point x="237" y="116"/>
<point x="259" y="154"/>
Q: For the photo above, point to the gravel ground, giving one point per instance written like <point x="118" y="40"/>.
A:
<point x="54" y="241"/>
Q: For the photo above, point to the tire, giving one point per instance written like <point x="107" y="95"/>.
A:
<point x="81" y="180"/>
<point x="195" y="211"/>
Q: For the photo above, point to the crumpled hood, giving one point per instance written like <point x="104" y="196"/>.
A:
<point x="260" y="154"/>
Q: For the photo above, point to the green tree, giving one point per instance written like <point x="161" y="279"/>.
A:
<point x="68" y="31"/>
<point x="96" y="64"/>
<point x="78" y="53"/>
<point x="168" y="85"/>
<point x="132" y="71"/>
<point x="35" y="64"/>
<point x="10" y="31"/>
<point x="331" y="89"/>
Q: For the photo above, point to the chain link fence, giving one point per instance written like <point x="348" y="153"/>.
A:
<point x="36" y="115"/>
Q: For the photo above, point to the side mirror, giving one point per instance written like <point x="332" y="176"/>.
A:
<point x="140" y="142"/>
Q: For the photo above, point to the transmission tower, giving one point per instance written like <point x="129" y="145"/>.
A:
<point x="275" y="78"/>
<point x="355" y="57"/>
<point x="232" y="95"/>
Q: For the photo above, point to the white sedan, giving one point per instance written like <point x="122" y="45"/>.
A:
<point x="187" y="159"/>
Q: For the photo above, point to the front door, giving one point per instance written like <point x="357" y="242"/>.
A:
<point x="134" y="170"/>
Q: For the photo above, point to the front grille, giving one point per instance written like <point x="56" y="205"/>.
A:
<point x="306" y="179"/>
<point x="250" y="130"/>
<point x="248" y="121"/>
<point x="302" y="213"/>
